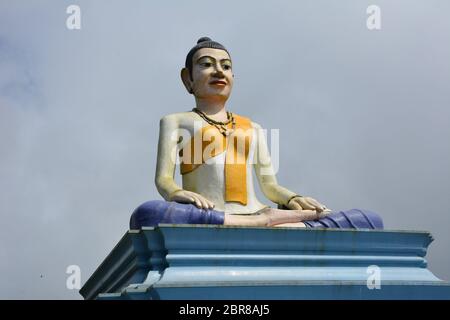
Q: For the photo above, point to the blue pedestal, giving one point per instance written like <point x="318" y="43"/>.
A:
<point x="220" y="262"/>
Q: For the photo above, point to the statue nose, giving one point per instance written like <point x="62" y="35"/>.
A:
<point x="219" y="70"/>
<point x="218" y="73"/>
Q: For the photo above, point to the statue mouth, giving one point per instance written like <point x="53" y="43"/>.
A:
<point x="218" y="82"/>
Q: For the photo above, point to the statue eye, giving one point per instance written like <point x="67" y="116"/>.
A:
<point x="206" y="64"/>
<point x="227" y="67"/>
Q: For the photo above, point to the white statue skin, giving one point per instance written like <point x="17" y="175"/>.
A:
<point x="211" y="84"/>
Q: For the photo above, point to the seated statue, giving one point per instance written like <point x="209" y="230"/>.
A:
<point x="218" y="151"/>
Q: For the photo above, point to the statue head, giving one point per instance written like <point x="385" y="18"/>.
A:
<point x="208" y="70"/>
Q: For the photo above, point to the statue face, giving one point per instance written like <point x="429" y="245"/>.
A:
<point x="212" y="75"/>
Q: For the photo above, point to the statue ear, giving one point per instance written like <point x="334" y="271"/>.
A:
<point x="186" y="78"/>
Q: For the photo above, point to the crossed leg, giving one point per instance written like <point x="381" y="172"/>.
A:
<point x="269" y="217"/>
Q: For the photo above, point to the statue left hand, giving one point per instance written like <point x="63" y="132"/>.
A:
<point x="307" y="203"/>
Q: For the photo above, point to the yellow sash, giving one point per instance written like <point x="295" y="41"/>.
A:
<point x="209" y="142"/>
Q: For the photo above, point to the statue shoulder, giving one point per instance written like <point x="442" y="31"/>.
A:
<point x="177" y="118"/>
<point x="244" y="118"/>
<point x="252" y="123"/>
<point x="256" y="125"/>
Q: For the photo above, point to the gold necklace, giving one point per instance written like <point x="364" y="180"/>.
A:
<point x="221" y="126"/>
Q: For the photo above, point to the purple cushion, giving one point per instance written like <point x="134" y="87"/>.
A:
<point x="350" y="219"/>
<point x="152" y="213"/>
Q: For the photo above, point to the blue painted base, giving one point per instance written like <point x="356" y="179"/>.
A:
<point x="220" y="262"/>
<point x="331" y="291"/>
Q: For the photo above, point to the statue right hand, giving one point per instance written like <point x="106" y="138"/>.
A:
<point x="184" y="196"/>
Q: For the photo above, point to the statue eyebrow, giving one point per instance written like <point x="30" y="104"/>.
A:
<point x="222" y="60"/>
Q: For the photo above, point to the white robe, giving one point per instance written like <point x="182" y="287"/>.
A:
<point x="209" y="180"/>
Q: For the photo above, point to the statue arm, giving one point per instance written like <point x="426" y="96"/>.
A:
<point x="169" y="135"/>
<point x="167" y="149"/>
<point x="265" y="172"/>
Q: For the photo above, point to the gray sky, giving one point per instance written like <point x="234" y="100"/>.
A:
<point x="364" y="116"/>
